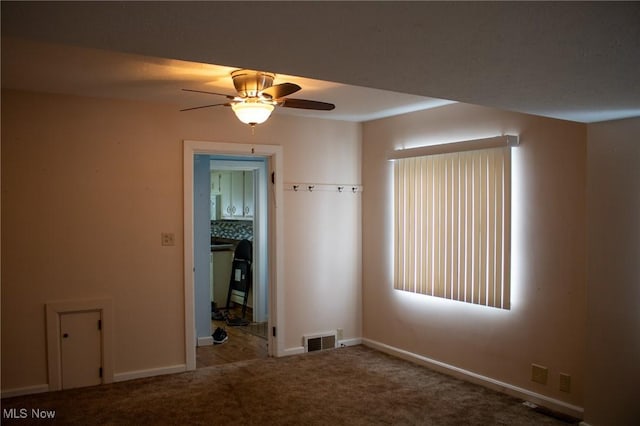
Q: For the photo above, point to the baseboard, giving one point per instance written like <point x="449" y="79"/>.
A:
<point x="205" y="341"/>
<point x="139" y="374"/>
<point x="27" y="390"/>
<point x="118" y="377"/>
<point x="292" y="351"/>
<point x="536" y="398"/>
<point x="350" y="342"/>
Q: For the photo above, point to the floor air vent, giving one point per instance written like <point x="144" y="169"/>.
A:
<point x="320" y="342"/>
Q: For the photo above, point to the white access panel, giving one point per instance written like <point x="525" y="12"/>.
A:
<point x="80" y="349"/>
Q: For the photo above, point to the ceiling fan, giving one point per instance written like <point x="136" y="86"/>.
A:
<point x="258" y="96"/>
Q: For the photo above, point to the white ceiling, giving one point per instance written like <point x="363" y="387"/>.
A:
<point x="570" y="60"/>
<point x="56" y="68"/>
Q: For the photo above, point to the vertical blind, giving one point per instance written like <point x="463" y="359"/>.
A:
<point x="452" y="226"/>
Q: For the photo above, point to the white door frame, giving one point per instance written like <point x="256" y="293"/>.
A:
<point x="276" y="239"/>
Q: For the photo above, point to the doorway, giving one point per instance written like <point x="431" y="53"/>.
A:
<point x="271" y="266"/>
<point x="229" y="223"/>
<point x="230" y="216"/>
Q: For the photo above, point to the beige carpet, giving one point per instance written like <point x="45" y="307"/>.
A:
<point x="347" y="386"/>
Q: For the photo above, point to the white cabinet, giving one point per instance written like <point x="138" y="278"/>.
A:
<point x="214" y="203"/>
<point x="216" y="182"/>
<point x="225" y="194"/>
<point x="236" y="194"/>
<point x="248" y="194"/>
<point x="232" y="194"/>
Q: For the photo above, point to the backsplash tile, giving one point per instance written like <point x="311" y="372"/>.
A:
<point x="232" y="229"/>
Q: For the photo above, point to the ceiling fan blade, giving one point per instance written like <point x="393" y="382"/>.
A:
<point x="210" y="93"/>
<point x="306" y="104"/>
<point x="281" y="90"/>
<point x="205" y="106"/>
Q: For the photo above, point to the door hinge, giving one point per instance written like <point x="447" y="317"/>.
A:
<point x="99" y="324"/>
<point x="100" y="372"/>
<point x="273" y="177"/>
<point x="273" y="331"/>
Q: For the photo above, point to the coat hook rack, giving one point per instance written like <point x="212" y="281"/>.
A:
<point x="315" y="187"/>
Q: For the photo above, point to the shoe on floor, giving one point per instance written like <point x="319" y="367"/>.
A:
<point x="219" y="336"/>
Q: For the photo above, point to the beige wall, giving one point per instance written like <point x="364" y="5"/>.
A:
<point x="546" y="324"/>
<point x="613" y="284"/>
<point x="88" y="185"/>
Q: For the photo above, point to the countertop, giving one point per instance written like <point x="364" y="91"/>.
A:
<point x="222" y="247"/>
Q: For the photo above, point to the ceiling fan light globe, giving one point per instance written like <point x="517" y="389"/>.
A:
<point x="252" y="112"/>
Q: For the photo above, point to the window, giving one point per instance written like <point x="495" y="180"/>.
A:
<point x="452" y="225"/>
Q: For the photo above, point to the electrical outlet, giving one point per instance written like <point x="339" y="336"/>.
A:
<point x="565" y="382"/>
<point x="168" y="239"/>
<point x="539" y="373"/>
<point x="339" y="332"/>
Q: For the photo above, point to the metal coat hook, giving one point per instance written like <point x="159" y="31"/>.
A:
<point x="322" y="187"/>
